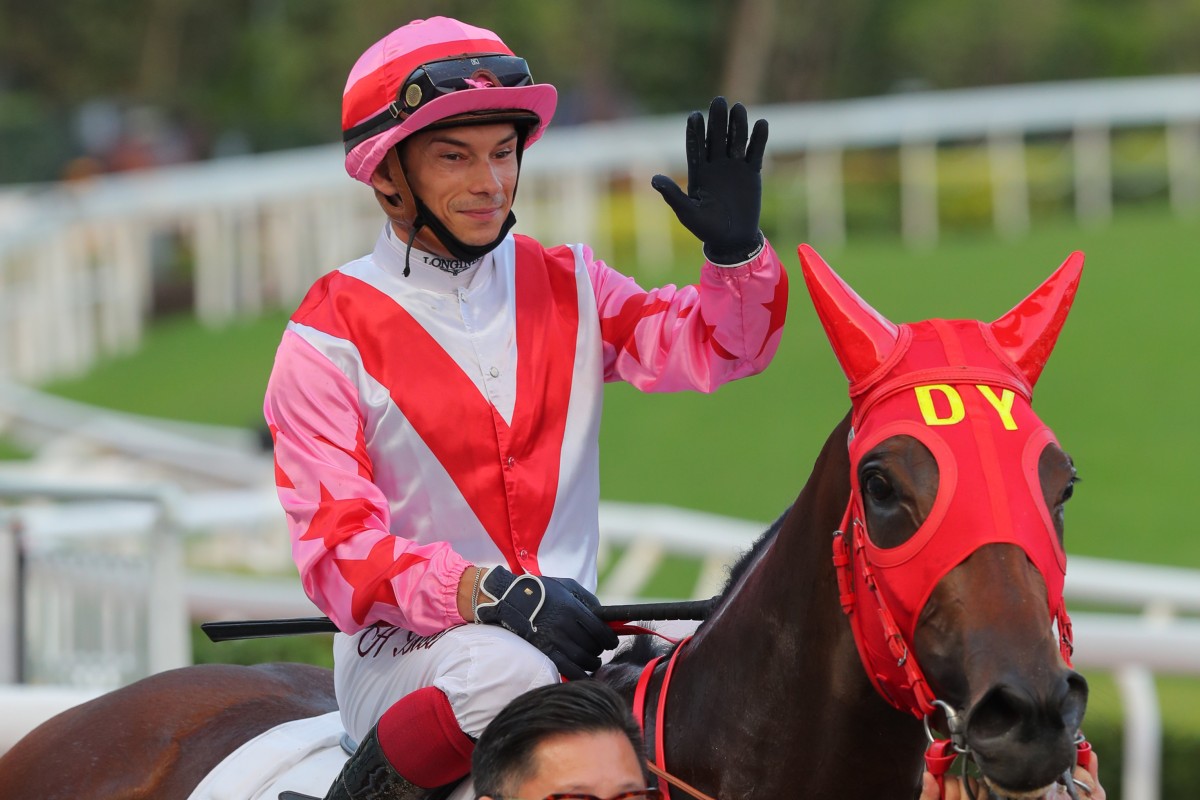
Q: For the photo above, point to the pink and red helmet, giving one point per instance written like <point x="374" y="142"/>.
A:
<point x="430" y="71"/>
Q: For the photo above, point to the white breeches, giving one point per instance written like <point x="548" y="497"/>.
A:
<point x="480" y="668"/>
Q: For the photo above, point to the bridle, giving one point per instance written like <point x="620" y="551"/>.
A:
<point x="885" y="649"/>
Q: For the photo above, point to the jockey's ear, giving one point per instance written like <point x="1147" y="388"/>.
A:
<point x="387" y="180"/>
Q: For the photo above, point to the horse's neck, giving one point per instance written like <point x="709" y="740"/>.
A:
<point x="786" y="705"/>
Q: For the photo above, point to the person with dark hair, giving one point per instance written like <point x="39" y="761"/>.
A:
<point x="435" y="405"/>
<point x="576" y="739"/>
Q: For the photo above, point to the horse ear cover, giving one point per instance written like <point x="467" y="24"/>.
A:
<point x="863" y="339"/>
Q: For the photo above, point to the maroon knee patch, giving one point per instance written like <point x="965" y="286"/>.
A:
<point x="421" y="738"/>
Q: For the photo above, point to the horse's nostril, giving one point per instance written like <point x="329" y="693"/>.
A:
<point x="997" y="714"/>
<point x="1074" y="701"/>
<point x="1005" y="710"/>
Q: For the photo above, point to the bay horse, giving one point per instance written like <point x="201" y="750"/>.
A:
<point x="914" y="585"/>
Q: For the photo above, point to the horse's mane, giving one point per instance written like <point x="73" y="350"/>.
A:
<point x="747" y="558"/>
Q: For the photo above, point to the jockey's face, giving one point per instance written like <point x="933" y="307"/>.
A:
<point x="599" y="763"/>
<point x="466" y="176"/>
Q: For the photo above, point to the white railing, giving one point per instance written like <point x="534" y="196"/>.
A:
<point x="95" y="601"/>
<point x="78" y="261"/>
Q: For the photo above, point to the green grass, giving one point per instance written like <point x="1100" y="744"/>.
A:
<point x="187" y="371"/>
<point x="11" y="451"/>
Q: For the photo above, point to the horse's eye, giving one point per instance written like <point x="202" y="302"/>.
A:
<point x="1069" y="492"/>
<point x="877" y="487"/>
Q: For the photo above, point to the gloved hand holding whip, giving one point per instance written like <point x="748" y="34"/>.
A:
<point x="553" y="614"/>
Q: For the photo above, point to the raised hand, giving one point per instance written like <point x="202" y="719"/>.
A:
<point x="724" y="195"/>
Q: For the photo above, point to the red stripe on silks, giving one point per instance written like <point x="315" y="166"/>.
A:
<point x="547" y="329"/>
<point x="372" y="576"/>
<point x="421" y="739"/>
<point x="513" y="504"/>
<point x="429" y="388"/>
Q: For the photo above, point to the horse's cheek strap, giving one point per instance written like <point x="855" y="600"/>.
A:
<point x="1066" y="633"/>
<point x="843" y="568"/>
<point x="903" y="676"/>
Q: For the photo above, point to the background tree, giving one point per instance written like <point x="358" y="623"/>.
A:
<point x="267" y="74"/>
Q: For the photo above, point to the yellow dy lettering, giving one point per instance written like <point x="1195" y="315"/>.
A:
<point x="1002" y="403"/>
<point x="925" y="403"/>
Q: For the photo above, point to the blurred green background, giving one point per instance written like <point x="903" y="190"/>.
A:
<point x="187" y="78"/>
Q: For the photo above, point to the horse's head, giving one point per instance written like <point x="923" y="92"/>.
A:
<point x="950" y="557"/>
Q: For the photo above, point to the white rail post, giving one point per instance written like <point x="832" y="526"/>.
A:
<point x="579" y="212"/>
<point x="918" y="192"/>
<point x="252" y="263"/>
<point x="1010" y="183"/>
<point x="168" y="641"/>
<point x="637" y="565"/>
<point x="1183" y="165"/>
<point x="1093" y="174"/>
<point x="652" y="221"/>
<point x="10" y="604"/>
<point x="1141" y="757"/>
<point x="826" y="196"/>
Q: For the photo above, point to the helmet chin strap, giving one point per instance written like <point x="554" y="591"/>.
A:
<point x="425" y="218"/>
<point x="458" y="248"/>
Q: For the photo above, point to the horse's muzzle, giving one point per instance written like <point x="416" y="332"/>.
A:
<point x="1023" y="739"/>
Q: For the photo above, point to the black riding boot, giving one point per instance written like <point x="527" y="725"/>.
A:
<point x="369" y="776"/>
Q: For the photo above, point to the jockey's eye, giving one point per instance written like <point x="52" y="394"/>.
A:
<point x="876" y="487"/>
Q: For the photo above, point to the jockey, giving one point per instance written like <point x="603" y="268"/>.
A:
<point x="435" y="404"/>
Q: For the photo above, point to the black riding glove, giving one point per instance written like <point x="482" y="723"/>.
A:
<point x="724" y="193"/>
<point x="553" y="614"/>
